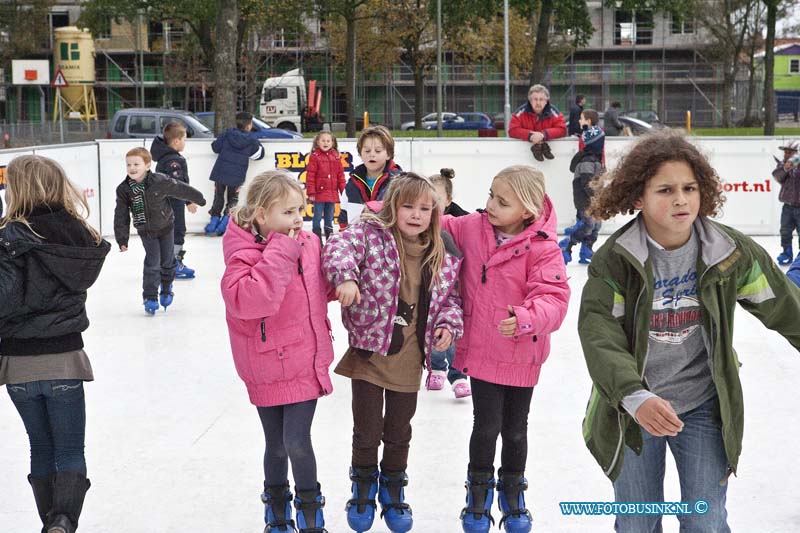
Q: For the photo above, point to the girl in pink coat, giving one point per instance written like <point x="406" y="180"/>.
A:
<point x="276" y="309"/>
<point x="515" y="293"/>
<point x="324" y="181"/>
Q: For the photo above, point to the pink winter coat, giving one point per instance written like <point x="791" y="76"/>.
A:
<point x="325" y="176"/>
<point x="527" y="273"/>
<point x="276" y="307"/>
<point x="367" y="254"/>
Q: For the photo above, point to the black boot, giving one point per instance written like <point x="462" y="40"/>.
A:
<point x="536" y="150"/>
<point x="277" y="501"/>
<point x="309" y="504"/>
<point x="69" y="490"/>
<point x="43" y="495"/>
<point x="547" y="152"/>
<point x="328" y="233"/>
<point x="318" y="233"/>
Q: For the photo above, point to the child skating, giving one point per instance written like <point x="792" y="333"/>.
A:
<point x="276" y="307"/>
<point x="655" y="323"/>
<point x="395" y="277"/>
<point x="144" y="198"/>
<point x="515" y="292"/>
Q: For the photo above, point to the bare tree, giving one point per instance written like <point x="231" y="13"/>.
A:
<point x="225" y="64"/>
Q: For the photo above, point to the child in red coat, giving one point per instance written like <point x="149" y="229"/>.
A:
<point x="324" y="181"/>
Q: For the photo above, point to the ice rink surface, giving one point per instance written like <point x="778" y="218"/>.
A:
<point x="173" y="444"/>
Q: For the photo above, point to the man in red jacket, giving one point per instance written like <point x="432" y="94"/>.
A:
<point x="538" y="122"/>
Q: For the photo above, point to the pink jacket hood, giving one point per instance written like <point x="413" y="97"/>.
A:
<point x="276" y="303"/>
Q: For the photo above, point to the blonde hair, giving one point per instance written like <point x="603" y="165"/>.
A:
<point x="528" y="184"/>
<point x="33" y="180"/>
<point x="263" y="190"/>
<point x="409" y="187"/>
<point x="319" y="135"/>
<point x="380" y="133"/>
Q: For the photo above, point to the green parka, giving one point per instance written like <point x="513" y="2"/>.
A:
<point x="614" y="320"/>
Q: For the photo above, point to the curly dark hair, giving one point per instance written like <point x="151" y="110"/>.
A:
<point x="616" y="192"/>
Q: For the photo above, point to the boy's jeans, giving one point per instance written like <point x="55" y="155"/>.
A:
<point x="444" y="359"/>
<point x="54" y="414"/>
<point x="700" y="458"/>
<point x="323" y="209"/>
<point x="159" y="263"/>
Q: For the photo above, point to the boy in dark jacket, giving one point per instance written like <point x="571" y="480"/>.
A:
<point x="369" y="180"/>
<point x="585" y="165"/>
<point x="166" y="150"/>
<point x="235" y="148"/>
<point x="145" y="195"/>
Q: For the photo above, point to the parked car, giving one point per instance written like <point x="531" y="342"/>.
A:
<point x="646" y="115"/>
<point x="637" y="127"/>
<point x="427" y="120"/>
<point x="261" y="130"/>
<point x="466" y="121"/>
<point x="138" y="123"/>
<point x="499" y="119"/>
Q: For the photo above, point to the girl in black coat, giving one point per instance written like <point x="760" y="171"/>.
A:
<point x="49" y="257"/>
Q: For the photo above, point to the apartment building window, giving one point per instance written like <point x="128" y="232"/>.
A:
<point x="633" y="27"/>
<point x="794" y="66"/>
<point x="682" y="26"/>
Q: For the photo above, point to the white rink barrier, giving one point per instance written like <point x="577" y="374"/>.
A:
<point x="744" y="163"/>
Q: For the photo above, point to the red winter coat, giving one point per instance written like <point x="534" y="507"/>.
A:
<point x="551" y="123"/>
<point x="325" y="176"/>
<point x="277" y="312"/>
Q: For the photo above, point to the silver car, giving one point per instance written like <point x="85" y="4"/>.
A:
<point x="139" y="123"/>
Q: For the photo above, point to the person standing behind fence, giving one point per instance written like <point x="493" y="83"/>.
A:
<point x="49" y="257"/>
<point x="787" y="174"/>
<point x="574" y="123"/>
<point x="538" y="122"/>
<point x="166" y="150"/>
<point x="324" y="181"/>
<point x="235" y="148"/>
<point x="611" y="122"/>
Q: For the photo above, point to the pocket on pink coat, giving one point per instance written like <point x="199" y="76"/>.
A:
<point x="282" y="356"/>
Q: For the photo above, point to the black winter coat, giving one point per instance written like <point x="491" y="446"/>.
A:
<point x="43" y="282"/>
<point x="169" y="162"/>
<point x="159" y="218"/>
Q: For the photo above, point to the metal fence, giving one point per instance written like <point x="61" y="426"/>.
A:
<point x="17" y="134"/>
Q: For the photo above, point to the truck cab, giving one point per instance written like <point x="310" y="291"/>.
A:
<point x="284" y="101"/>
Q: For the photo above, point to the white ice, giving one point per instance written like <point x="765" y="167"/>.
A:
<point x="173" y="444"/>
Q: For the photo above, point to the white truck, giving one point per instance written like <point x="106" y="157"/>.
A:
<point x="285" y="104"/>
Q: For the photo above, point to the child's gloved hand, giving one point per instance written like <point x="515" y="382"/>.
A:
<point x="347" y="293"/>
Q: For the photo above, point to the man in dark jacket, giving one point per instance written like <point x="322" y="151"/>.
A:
<point x="144" y="196"/>
<point x="574" y="125"/>
<point x="538" y="122"/>
<point x="611" y="122"/>
<point x="235" y="148"/>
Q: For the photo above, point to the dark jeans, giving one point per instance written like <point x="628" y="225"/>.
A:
<point x="371" y="425"/>
<point x="54" y="414"/>
<point x="159" y="263"/>
<point x="499" y="409"/>
<point x="287" y="433"/>
<point x="790" y="222"/>
<point x="444" y="361"/>
<point x="179" y="208"/>
<point x="586" y="228"/>
<point x="323" y="209"/>
<point x="219" y="199"/>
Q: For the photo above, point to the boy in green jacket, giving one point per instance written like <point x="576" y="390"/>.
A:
<point x="656" y="323"/>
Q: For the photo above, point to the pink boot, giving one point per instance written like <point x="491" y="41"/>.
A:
<point x="461" y="388"/>
<point x="435" y="380"/>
